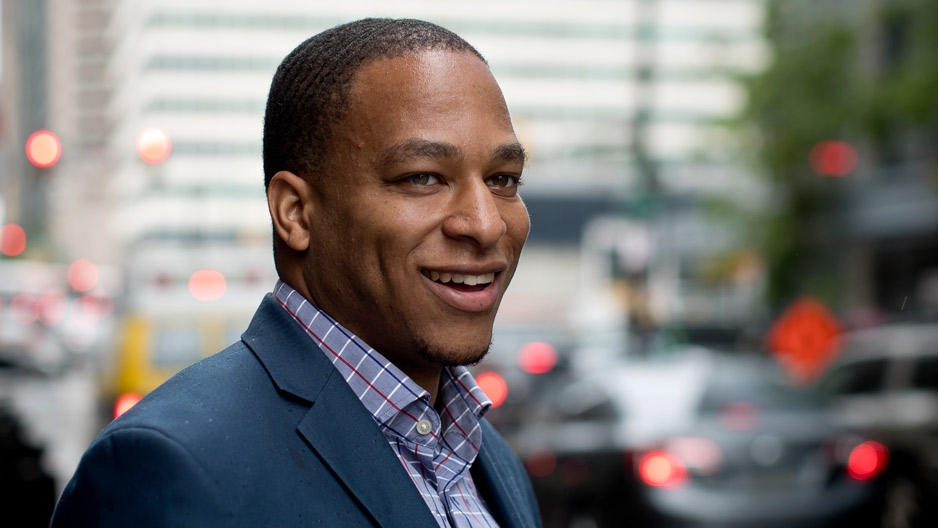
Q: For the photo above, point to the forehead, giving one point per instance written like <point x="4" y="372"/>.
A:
<point x="426" y="85"/>
<point x="418" y="68"/>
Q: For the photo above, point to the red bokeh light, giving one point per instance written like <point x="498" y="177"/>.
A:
<point x="207" y="285"/>
<point x="833" y="158"/>
<point x="43" y="149"/>
<point x="805" y="338"/>
<point x="739" y="416"/>
<point x="51" y="308"/>
<point x="494" y="386"/>
<point x="105" y="303"/>
<point x="661" y="469"/>
<point x="154" y="146"/>
<point x="867" y="460"/>
<point x="12" y="240"/>
<point x="82" y="275"/>
<point x="24" y="309"/>
<point x="125" y="402"/>
<point x="537" y="357"/>
<point x="86" y="309"/>
<point x="541" y="462"/>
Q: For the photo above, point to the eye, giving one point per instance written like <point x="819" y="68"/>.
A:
<point x="504" y="181"/>
<point x="422" y="179"/>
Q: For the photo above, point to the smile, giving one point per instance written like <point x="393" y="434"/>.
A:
<point x="466" y="292"/>
<point x="460" y="278"/>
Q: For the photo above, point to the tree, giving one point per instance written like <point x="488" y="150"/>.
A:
<point x="848" y="74"/>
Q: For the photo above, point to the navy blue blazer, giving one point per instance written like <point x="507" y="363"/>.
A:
<point x="265" y="433"/>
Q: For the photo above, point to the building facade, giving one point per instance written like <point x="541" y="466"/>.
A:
<point x="617" y="102"/>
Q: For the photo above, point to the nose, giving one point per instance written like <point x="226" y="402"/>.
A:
<point x="474" y="215"/>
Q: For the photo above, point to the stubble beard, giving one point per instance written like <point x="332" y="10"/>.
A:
<point x="451" y="358"/>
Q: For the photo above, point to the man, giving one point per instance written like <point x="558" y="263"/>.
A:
<point x="392" y="176"/>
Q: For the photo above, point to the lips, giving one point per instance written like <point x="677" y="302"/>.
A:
<point x="467" y="292"/>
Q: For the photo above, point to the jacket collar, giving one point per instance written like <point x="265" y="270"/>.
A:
<point x="337" y="426"/>
<point x="344" y="434"/>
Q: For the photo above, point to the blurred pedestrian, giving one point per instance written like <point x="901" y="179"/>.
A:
<point x="392" y="174"/>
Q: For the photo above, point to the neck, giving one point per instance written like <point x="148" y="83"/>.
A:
<point x="428" y="378"/>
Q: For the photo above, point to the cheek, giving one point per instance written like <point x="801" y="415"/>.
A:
<point x="518" y="223"/>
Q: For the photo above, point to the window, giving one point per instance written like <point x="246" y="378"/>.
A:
<point x="176" y="346"/>
<point x="865" y="377"/>
<point x="926" y="374"/>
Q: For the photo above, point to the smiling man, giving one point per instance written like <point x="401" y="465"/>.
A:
<point x="392" y="174"/>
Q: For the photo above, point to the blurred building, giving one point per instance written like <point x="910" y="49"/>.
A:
<point x="890" y="210"/>
<point x="881" y="233"/>
<point x="618" y="103"/>
<point x="55" y="53"/>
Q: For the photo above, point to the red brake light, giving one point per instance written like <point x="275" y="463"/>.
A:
<point x="867" y="460"/>
<point x="124" y="403"/>
<point x="739" y="416"/>
<point x="699" y="455"/>
<point x="494" y="386"/>
<point x="50" y="308"/>
<point x="661" y="469"/>
<point x="541" y="462"/>
<point x="537" y="357"/>
<point x="82" y="275"/>
<point x="24" y="309"/>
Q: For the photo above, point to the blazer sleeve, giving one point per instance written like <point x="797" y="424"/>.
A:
<point x="140" y="477"/>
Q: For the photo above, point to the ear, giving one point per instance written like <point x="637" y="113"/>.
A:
<point x="289" y="199"/>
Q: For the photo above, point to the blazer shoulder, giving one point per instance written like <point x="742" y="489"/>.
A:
<point x="167" y="487"/>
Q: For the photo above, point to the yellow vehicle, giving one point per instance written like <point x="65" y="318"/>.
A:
<point x="183" y="304"/>
<point x="151" y="348"/>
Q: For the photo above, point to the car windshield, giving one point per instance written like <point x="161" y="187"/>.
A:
<point x="759" y="386"/>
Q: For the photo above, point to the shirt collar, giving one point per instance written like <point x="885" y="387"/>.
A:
<point x="390" y="395"/>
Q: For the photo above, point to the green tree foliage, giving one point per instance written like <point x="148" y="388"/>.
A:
<point x="844" y="74"/>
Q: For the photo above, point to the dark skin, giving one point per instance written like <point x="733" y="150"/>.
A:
<point x="412" y="232"/>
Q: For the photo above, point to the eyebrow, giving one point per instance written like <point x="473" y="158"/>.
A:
<point x="416" y="148"/>
<point x="511" y="152"/>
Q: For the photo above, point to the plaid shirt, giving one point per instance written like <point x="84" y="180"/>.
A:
<point x="437" y="450"/>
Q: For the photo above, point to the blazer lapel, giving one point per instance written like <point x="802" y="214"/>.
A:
<point x="337" y="426"/>
<point x="502" y="490"/>
<point x="346" y="437"/>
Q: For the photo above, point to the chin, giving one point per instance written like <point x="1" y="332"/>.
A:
<point x="453" y="354"/>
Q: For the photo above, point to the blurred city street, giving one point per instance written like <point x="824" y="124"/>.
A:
<point x="726" y="310"/>
<point x="58" y="413"/>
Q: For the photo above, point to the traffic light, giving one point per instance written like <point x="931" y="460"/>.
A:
<point x="43" y="149"/>
<point x="12" y="240"/>
<point x="833" y="158"/>
<point x="207" y="285"/>
<point x="154" y="146"/>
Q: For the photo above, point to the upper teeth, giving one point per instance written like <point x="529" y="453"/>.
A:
<point x="459" y="278"/>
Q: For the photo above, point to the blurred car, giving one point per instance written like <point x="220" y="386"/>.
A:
<point x="543" y="406"/>
<point x="570" y="440"/>
<point x="27" y="489"/>
<point x="884" y="384"/>
<point x="758" y="452"/>
<point x="695" y="439"/>
<point x="170" y="317"/>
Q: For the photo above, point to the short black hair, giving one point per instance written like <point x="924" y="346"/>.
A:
<point x="309" y="92"/>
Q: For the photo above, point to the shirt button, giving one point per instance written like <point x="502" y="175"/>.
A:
<point x="424" y="427"/>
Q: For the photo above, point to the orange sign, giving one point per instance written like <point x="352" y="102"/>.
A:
<point x="805" y="338"/>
